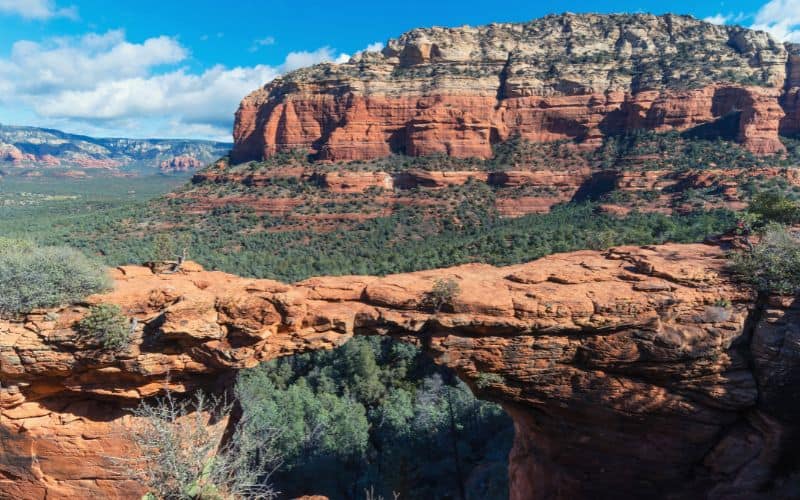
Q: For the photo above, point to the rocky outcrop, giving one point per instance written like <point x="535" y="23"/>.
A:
<point x="11" y="154"/>
<point x="183" y="163"/>
<point x="356" y="182"/>
<point x="458" y="91"/>
<point x="342" y="196"/>
<point x="790" y="125"/>
<point x="793" y="65"/>
<point x="638" y="371"/>
<point x="528" y="104"/>
<point x="525" y="205"/>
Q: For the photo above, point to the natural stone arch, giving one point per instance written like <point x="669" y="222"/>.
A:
<point x="638" y="371"/>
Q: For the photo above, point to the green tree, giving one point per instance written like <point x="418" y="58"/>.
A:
<point x="171" y="246"/>
<point x="442" y="294"/>
<point x="357" y="365"/>
<point x="774" y="206"/>
<point x="321" y="434"/>
<point x="773" y="264"/>
<point x="376" y="413"/>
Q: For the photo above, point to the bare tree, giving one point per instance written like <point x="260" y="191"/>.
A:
<point x="369" y="494"/>
<point x="183" y="456"/>
<point x="176" y="266"/>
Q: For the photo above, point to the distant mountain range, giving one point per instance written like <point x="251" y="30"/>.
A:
<point x="36" y="151"/>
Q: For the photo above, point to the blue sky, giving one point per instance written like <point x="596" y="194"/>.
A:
<point x="150" y="68"/>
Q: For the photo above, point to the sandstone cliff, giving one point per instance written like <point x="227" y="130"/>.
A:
<point x="458" y="91"/>
<point x="638" y="371"/>
<point x="182" y="163"/>
<point x="342" y="195"/>
<point x="790" y="125"/>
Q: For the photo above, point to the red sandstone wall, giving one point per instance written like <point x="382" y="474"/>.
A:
<point x="354" y="127"/>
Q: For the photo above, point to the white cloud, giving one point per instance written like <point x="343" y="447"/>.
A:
<point x="781" y="18"/>
<point x="718" y="19"/>
<point x="296" y="60"/>
<point x="209" y="98"/>
<point x="103" y="82"/>
<point x="84" y="62"/>
<point x="721" y="18"/>
<point x="262" y="42"/>
<point x="36" y="9"/>
<point x="374" y="47"/>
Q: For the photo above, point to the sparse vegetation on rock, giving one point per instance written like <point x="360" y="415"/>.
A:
<point x="442" y="294"/>
<point x="773" y="264"/>
<point x="485" y="380"/>
<point x="183" y="454"/>
<point x="32" y="276"/>
<point x="106" y="325"/>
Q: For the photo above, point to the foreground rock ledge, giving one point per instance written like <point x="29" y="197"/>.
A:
<point x="635" y="372"/>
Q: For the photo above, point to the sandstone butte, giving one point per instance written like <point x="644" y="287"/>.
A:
<point x="642" y="371"/>
<point x="458" y="91"/>
<point x="181" y="163"/>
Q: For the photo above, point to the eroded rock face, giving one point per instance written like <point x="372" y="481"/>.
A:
<point x="637" y="371"/>
<point x="790" y="125"/>
<point x="516" y="192"/>
<point x="457" y="91"/>
<point x="182" y="163"/>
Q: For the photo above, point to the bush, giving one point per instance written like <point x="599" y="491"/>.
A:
<point x="33" y="277"/>
<point x="184" y="452"/>
<point x="485" y="380"/>
<point x="773" y="265"/>
<point x="170" y="246"/>
<point x="107" y="325"/>
<point x="773" y="206"/>
<point x="442" y="294"/>
<point x="601" y="240"/>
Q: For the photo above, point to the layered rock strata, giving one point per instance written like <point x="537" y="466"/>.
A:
<point x="790" y="125"/>
<point x="458" y="91"/>
<point x="637" y="371"/>
<point x="182" y="163"/>
<point x="358" y="195"/>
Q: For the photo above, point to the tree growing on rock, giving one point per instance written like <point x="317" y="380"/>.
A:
<point x="106" y="325"/>
<point x="773" y="264"/>
<point x="442" y="294"/>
